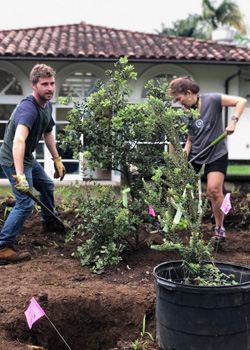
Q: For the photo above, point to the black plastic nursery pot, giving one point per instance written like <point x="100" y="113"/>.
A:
<point x="191" y="317"/>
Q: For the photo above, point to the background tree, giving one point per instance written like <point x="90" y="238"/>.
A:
<point x="190" y="27"/>
<point x="241" y="40"/>
<point x="227" y="13"/>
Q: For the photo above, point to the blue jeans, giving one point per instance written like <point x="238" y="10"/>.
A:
<point x="37" y="178"/>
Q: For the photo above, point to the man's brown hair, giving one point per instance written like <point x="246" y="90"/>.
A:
<point x="41" y="71"/>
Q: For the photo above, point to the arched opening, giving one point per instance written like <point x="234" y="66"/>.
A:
<point x="167" y="71"/>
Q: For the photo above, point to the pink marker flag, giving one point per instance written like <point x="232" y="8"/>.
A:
<point x="151" y="211"/>
<point x="34" y="312"/>
<point x="226" y="204"/>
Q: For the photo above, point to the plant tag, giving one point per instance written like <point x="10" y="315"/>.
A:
<point x="200" y="197"/>
<point x="178" y="214"/>
<point x="177" y="217"/>
<point x="165" y="228"/>
<point x="226" y="204"/>
<point x="151" y="211"/>
<point x="125" y="197"/>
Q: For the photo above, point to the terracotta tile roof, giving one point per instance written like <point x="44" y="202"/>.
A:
<point x="89" y="41"/>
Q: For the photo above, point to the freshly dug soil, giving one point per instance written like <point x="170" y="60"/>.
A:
<point x="94" y="311"/>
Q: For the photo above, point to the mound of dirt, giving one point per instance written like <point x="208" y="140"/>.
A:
<point x="90" y="311"/>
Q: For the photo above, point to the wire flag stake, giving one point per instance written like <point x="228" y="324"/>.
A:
<point x="34" y="312"/>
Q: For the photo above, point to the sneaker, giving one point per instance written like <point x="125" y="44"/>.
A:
<point x="217" y="232"/>
<point x="222" y="233"/>
<point x="9" y="255"/>
<point x="52" y="226"/>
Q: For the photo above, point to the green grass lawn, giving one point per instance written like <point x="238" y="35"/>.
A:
<point x="235" y="169"/>
<point x="5" y="191"/>
<point x="238" y="169"/>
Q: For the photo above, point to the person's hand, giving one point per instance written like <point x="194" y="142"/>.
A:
<point x="60" y="170"/>
<point x="22" y="184"/>
<point x="230" y="128"/>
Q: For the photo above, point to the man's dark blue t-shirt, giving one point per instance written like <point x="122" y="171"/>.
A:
<point x="38" y="119"/>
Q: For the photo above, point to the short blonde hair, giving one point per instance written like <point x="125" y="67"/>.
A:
<point x="41" y="71"/>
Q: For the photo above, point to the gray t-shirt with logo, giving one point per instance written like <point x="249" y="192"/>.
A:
<point x="207" y="128"/>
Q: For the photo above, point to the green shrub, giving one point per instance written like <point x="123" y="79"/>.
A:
<point x="131" y="139"/>
<point x="108" y="224"/>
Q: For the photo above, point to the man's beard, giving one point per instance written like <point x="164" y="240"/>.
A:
<point x="45" y="97"/>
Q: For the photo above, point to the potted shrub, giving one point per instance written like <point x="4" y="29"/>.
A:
<point x="200" y="303"/>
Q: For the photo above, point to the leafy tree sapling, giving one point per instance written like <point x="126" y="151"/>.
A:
<point x="110" y="133"/>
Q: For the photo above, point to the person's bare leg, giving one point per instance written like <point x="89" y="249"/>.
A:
<point x="215" y="193"/>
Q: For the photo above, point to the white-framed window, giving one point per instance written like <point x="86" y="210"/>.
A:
<point x="72" y="166"/>
<point x="167" y="71"/>
<point x="77" y="81"/>
<point x="167" y="76"/>
<point x="78" y="84"/>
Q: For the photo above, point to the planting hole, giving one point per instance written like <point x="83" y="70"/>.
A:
<point x="84" y="323"/>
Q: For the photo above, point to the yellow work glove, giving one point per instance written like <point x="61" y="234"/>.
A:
<point x="60" y="170"/>
<point x="22" y="184"/>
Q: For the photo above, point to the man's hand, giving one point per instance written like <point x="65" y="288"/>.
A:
<point x="60" y="170"/>
<point x="22" y="184"/>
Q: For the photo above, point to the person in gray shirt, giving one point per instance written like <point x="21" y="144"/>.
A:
<point x="203" y="131"/>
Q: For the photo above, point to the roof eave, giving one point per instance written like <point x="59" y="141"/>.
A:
<point x="133" y="60"/>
